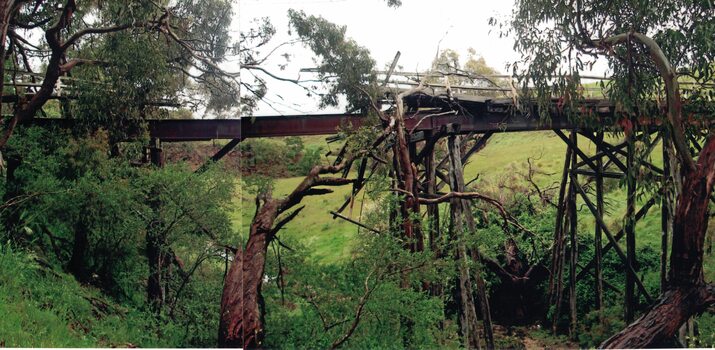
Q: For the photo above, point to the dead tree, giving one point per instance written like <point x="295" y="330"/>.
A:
<point x="406" y="177"/>
<point x="459" y="210"/>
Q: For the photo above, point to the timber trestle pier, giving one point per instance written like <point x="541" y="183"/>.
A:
<point x="473" y="120"/>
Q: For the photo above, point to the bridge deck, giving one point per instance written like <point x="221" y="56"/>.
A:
<point x="326" y="124"/>
<point x="425" y="112"/>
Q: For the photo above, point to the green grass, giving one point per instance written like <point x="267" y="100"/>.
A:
<point x="41" y="307"/>
<point x="330" y="240"/>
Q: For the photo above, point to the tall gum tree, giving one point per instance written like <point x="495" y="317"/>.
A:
<point x="133" y="58"/>
<point x="345" y="69"/>
<point x="127" y="60"/>
<point x="650" y="48"/>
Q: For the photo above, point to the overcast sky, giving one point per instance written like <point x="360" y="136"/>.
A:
<point x="417" y="29"/>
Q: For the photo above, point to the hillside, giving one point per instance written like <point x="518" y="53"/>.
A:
<point x="329" y="239"/>
<point x="43" y="306"/>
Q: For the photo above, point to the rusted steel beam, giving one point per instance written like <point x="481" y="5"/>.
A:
<point x="326" y="124"/>
<point x="477" y="118"/>
<point x="273" y="126"/>
<point x="179" y="130"/>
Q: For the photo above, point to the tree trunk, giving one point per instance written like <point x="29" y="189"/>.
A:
<point x="687" y="294"/>
<point x="666" y="205"/>
<point x="408" y="183"/>
<point x="80" y="245"/>
<point x="241" y="319"/>
<point x="241" y="315"/>
<point x="656" y="328"/>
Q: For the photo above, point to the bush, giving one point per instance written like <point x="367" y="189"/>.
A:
<point x="93" y="216"/>
<point x="310" y="158"/>
<point x="265" y="157"/>
<point x="595" y="326"/>
<point x="294" y="145"/>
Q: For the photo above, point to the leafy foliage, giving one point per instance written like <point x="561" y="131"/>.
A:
<point x="101" y="237"/>
<point x="345" y="67"/>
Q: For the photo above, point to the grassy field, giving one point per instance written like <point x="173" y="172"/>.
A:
<point x="330" y="239"/>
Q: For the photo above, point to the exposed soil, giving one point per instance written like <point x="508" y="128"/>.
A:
<point x="195" y="154"/>
<point x="236" y="161"/>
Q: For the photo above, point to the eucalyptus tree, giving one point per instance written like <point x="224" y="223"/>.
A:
<point x="128" y="60"/>
<point x="345" y="69"/>
<point x="651" y="48"/>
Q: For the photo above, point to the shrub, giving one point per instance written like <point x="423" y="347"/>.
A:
<point x="310" y="158"/>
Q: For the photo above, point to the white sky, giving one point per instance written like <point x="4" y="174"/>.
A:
<point x="416" y="29"/>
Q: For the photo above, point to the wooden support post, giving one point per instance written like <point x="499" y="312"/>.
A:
<point x="478" y="145"/>
<point x="156" y="153"/>
<point x="598" y="234"/>
<point x="609" y="151"/>
<point x="435" y="239"/>
<point x="613" y="151"/>
<point x="573" y="256"/>
<point x="468" y="314"/>
<point x="575" y="149"/>
<point x="477" y="260"/>
<point x="431" y="189"/>
<point x="613" y="241"/>
<point x="630" y="298"/>
<point x="639" y="215"/>
<point x="412" y="146"/>
<point x="557" y="257"/>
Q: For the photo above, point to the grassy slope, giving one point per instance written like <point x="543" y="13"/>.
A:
<point x="41" y="307"/>
<point x="329" y="239"/>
